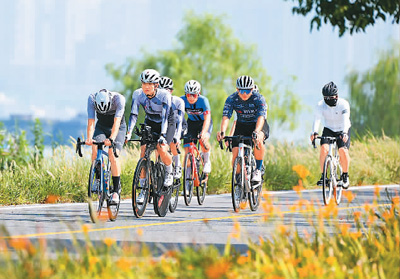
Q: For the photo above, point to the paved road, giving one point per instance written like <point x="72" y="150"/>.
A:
<point x="211" y="223"/>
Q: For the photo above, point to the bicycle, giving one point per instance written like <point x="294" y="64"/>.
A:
<point x="99" y="182"/>
<point x="173" y="202"/>
<point x="245" y="164"/>
<point x="193" y="175"/>
<point x="332" y="172"/>
<point x="148" y="180"/>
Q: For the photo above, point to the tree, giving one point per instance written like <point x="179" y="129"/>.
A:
<point x="348" y="15"/>
<point x="375" y="96"/>
<point x="208" y="51"/>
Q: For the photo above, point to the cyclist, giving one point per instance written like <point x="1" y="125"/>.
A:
<point x="178" y="114"/>
<point x="199" y="120"/>
<point x="255" y="90"/>
<point x="109" y="108"/>
<point x="251" y="110"/>
<point x="156" y="103"/>
<point x="336" y="114"/>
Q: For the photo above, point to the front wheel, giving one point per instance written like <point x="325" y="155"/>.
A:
<point x="162" y="194"/>
<point x="95" y="190"/>
<point x="173" y="202"/>
<point x="140" y="188"/>
<point x="327" y="186"/>
<point x="112" y="208"/>
<point x="339" y="188"/>
<point x="238" y="195"/>
<point x="188" y="178"/>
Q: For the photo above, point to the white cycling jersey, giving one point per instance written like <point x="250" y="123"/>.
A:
<point x="336" y="118"/>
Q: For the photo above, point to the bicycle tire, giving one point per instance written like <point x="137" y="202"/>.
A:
<point x="255" y="192"/>
<point x="112" y="209"/>
<point x="202" y="188"/>
<point x="162" y="194"/>
<point x="138" y="206"/>
<point x="237" y="186"/>
<point x="173" y="202"/>
<point x="95" y="199"/>
<point x="188" y="179"/>
<point x="327" y="185"/>
<point x="339" y="188"/>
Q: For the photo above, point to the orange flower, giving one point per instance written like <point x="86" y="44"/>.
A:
<point x="242" y="260"/>
<point x="298" y="188"/>
<point x="85" y="229"/>
<point x="396" y="200"/>
<point x="93" y="260"/>
<point x="331" y="260"/>
<point x="124" y="263"/>
<point x="355" y="235"/>
<point x="109" y="241"/>
<point x="218" y="269"/>
<point x="52" y="199"/>
<point x="139" y="232"/>
<point x="377" y="191"/>
<point x="282" y="229"/>
<point x="344" y="228"/>
<point x="308" y="253"/>
<point x="301" y="171"/>
<point x="303" y="271"/>
<point x="19" y="243"/>
<point x="349" y="196"/>
<point x="357" y="215"/>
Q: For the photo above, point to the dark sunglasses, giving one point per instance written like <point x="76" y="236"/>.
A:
<point x="330" y="98"/>
<point x="245" y="91"/>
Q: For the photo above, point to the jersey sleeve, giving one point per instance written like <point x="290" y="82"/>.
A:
<point x="207" y="107"/>
<point x="317" y="118"/>
<point x="120" y="102"/>
<point x="90" y="108"/>
<point x="346" y="117"/>
<point x="262" y="104"/>
<point x="228" y="107"/>
<point x="166" y="107"/>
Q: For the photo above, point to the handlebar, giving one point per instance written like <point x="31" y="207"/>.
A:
<point x="229" y="139"/>
<point x="79" y="143"/>
<point x="330" y="139"/>
<point x="191" y="139"/>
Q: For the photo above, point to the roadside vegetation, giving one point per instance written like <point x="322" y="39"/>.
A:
<point x="364" y="245"/>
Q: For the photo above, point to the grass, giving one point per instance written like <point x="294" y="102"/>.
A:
<point x="63" y="176"/>
<point x="366" y="246"/>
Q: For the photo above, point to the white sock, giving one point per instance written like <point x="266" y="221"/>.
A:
<point x="168" y="168"/>
<point x="176" y="160"/>
<point x="206" y="156"/>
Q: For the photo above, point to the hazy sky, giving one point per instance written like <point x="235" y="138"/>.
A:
<point x="53" y="52"/>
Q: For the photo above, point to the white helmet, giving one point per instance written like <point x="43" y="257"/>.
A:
<point x="255" y="89"/>
<point x="102" y="100"/>
<point x="166" y="83"/>
<point x="150" y="76"/>
<point x="192" y="87"/>
<point x="245" y="82"/>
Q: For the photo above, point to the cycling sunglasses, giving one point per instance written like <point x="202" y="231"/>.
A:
<point x="330" y="97"/>
<point x="245" y="91"/>
<point x="192" y="94"/>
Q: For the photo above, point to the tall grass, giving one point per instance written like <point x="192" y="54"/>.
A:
<point x="63" y="176"/>
<point x="366" y="246"/>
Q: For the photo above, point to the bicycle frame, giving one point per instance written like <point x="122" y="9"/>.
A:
<point x="245" y="166"/>
<point x="103" y="159"/>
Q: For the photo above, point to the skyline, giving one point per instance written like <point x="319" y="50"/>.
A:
<point x="59" y="48"/>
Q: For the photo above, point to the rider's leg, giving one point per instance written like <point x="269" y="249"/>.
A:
<point x="115" y="170"/>
<point x="94" y="152"/>
<point x="322" y="155"/>
<point x="166" y="158"/>
<point x="259" y="153"/>
<point x="176" y="160"/>
<point x="344" y="159"/>
<point x="235" y="151"/>
<point x="206" y="154"/>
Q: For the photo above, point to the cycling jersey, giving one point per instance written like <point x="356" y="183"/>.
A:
<point x="197" y="110"/>
<point x="177" y="114"/>
<point x="107" y="119"/>
<point x="157" y="108"/>
<point x="336" y="118"/>
<point x="247" y="111"/>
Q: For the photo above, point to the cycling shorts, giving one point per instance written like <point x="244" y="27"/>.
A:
<point x="193" y="130"/>
<point x="340" y="143"/>
<point x="102" y="132"/>
<point x="247" y="129"/>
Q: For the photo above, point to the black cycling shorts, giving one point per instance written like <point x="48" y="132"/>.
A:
<point x="247" y="129"/>
<point x="340" y="143"/>
<point x="194" y="128"/>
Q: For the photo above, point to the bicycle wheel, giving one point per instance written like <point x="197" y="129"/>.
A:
<point x="173" y="202"/>
<point x="112" y="209"/>
<point x="201" y="189"/>
<point x="327" y="186"/>
<point x="95" y="197"/>
<point x="140" y="188"/>
<point x="188" y="178"/>
<point x="339" y="188"/>
<point x="163" y="194"/>
<point x="238" y="195"/>
<point x="255" y="190"/>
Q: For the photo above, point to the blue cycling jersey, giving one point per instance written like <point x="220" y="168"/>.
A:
<point x="247" y="111"/>
<point x="197" y="111"/>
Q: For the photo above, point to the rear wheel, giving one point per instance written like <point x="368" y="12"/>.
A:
<point x="173" y="202"/>
<point x="188" y="178"/>
<point x="140" y="188"/>
<point x="327" y="186"/>
<point x="95" y="197"/>
<point x="255" y="190"/>
<point x="238" y="195"/>
<point x="112" y="209"/>
<point x="162" y="194"/>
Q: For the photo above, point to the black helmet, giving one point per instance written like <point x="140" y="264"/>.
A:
<point x="330" y="89"/>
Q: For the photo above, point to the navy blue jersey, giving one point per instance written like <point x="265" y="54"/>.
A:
<point x="197" y="111"/>
<point x="247" y="111"/>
